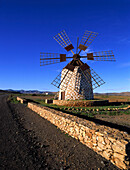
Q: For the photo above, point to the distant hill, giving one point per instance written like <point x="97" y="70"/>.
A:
<point x="26" y="91"/>
<point x="49" y="92"/>
<point x="7" y="91"/>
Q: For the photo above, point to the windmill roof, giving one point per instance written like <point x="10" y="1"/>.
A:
<point x="72" y="64"/>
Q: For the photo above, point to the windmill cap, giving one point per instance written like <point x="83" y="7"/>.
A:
<point x="76" y="56"/>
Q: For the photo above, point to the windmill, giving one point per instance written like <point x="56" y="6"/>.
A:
<point x="76" y="80"/>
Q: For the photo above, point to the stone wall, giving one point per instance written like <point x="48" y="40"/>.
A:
<point x="21" y="100"/>
<point x="110" y="143"/>
<point x="81" y="102"/>
<point x="48" y="101"/>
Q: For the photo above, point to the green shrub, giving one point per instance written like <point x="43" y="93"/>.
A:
<point x="14" y="100"/>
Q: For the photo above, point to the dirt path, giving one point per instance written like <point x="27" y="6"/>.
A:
<point x="28" y="141"/>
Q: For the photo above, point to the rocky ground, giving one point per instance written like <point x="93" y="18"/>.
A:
<point x="28" y="141"/>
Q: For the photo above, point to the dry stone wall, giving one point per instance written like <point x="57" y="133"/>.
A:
<point x="110" y="143"/>
<point x="21" y="100"/>
<point x="81" y="102"/>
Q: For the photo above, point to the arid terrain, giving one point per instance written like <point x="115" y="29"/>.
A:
<point x="114" y="98"/>
<point x="30" y="142"/>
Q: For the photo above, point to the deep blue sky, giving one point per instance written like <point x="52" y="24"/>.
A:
<point x="27" y="28"/>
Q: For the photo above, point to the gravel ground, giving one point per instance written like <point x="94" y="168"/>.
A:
<point x="30" y="142"/>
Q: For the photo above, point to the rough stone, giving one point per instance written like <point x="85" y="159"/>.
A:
<point x="101" y="139"/>
<point x="101" y="145"/>
<point x="120" y="164"/>
<point x="89" y="135"/>
<point x="119" y="156"/>
<point x="119" y="148"/>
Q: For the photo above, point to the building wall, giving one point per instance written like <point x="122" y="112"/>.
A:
<point x="75" y="85"/>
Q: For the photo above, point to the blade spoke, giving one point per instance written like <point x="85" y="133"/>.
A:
<point x="87" y="78"/>
<point x="91" y="80"/>
<point x="51" y="58"/>
<point x="100" y="56"/>
<point x="64" y="41"/>
<point x="87" y="39"/>
<point x="96" y="79"/>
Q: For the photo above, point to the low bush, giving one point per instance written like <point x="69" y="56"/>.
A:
<point x="13" y="100"/>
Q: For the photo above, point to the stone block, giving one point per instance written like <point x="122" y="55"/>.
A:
<point x="119" y="156"/>
<point x="89" y="135"/>
<point x="101" y="145"/>
<point x="99" y="134"/>
<point x="113" y="140"/>
<point x="119" y="163"/>
<point x="80" y="138"/>
<point x="109" y="146"/>
<point x="99" y="149"/>
<point x="107" y="155"/>
<point x="101" y="139"/>
<point x="119" y="149"/>
<point x="48" y="101"/>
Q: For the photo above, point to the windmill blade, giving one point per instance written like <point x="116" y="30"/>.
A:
<point x="83" y="81"/>
<point x="100" y="56"/>
<point x="104" y="56"/>
<point x="52" y="58"/>
<point x="92" y="78"/>
<point x="96" y="79"/>
<point x="62" y="80"/>
<point x="64" y="41"/>
<point x="86" y="40"/>
<point x="87" y="77"/>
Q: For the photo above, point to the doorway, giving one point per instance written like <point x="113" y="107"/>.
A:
<point x="63" y="95"/>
